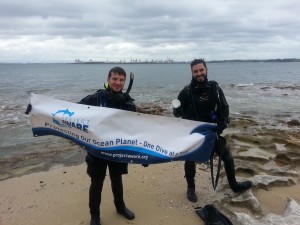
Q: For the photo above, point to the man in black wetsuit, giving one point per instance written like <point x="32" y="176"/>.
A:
<point x="111" y="97"/>
<point x="204" y="100"/>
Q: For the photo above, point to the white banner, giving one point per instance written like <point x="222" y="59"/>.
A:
<point x="123" y="136"/>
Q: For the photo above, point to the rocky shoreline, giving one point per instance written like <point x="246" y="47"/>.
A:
<point x="269" y="156"/>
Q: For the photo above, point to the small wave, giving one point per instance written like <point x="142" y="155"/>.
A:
<point x="265" y="88"/>
<point x="9" y="120"/>
<point x="288" y="87"/>
<point x="90" y="90"/>
<point x="15" y="107"/>
<point x="38" y="91"/>
<point x="241" y="85"/>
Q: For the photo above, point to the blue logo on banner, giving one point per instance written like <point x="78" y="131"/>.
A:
<point x="64" y="112"/>
<point x="69" y="121"/>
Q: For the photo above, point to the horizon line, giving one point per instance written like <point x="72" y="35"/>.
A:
<point x="160" y="61"/>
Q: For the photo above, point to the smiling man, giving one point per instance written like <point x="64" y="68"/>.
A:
<point x="111" y="97"/>
<point x="204" y="101"/>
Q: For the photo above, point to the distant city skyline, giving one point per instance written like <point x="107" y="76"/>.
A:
<point x="172" y="61"/>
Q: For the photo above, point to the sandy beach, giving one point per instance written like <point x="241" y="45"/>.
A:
<point x="156" y="194"/>
<point x="47" y="193"/>
<point x="60" y="196"/>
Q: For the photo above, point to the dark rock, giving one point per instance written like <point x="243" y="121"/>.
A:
<point x="293" y="123"/>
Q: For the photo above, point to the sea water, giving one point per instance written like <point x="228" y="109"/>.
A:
<point x="264" y="91"/>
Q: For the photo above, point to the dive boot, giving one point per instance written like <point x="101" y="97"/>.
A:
<point x="117" y="188"/>
<point x="241" y="186"/>
<point x="95" y="220"/>
<point x="126" y="213"/>
<point x="191" y="195"/>
<point x="95" y="200"/>
<point x="230" y="173"/>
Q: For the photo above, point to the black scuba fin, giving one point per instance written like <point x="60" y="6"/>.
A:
<point x="212" y="216"/>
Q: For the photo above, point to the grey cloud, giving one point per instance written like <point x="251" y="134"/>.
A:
<point x="152" y="26"/>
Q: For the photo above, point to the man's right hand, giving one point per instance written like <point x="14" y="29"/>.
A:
<point x="29" y="108"/>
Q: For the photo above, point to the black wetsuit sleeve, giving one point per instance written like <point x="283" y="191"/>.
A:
<point x="90" y="100"/>
<point x="129" y="103"/>
<point x="223" y="107"/>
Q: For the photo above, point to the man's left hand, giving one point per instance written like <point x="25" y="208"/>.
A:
<point x="220" y="127"/>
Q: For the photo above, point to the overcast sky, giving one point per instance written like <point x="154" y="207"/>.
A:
<point x="65" y="30"/>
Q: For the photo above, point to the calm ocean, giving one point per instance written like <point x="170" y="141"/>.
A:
<point x="264" y="91"/>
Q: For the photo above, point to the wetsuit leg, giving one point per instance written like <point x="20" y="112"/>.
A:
<point x="190" y="172"/>
<point x="117" y="189"/>
<point x="95" y="196"/>
<point x="230" y="172"/>
<point x="96" y="169"/>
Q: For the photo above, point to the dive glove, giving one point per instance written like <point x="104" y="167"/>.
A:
<point x="220" y="127"/>
<point x="29" y="108"/>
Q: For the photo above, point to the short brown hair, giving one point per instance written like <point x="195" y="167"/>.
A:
<point x="118" y="70"/>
